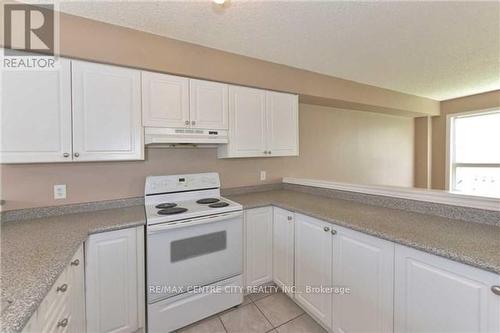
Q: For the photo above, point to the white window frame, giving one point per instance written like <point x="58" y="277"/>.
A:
<point x="451" y="165"/>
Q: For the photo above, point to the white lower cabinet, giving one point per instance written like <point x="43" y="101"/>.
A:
<point x="258" y="224"/>
<point x="283" y="248"/>
<point x="385" y="287"/>
<point x="313" y="267"/>
<point x="365" y="265"/>
<point x="433" y="294"/>
<point x="115" y="293"/>
<point x="63" y="309"/>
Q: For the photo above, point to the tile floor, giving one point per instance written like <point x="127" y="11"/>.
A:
<point x="259" y="313"/>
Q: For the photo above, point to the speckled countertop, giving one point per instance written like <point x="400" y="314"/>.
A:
<point x="475" y="244"/>
<point x="35" y="252"/>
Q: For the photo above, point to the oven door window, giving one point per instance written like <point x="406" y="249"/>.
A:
<point x="192" y="247"/>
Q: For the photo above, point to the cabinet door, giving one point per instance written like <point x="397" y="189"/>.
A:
<point x="208" y="104"/>
<point x="283" y="248"/>
<point x="282" y="124"/>
<point x="106" y="113"/>
<point x="165" y="100"/>
<point x="365" y="264"/>
<point x="35" y="115"/>
<point x="112" y="281"/>
<point x="433" y="294"/>
<point x="247" y="123"/>
<point x="259" y="246"/>
<point x="313" y="267"/>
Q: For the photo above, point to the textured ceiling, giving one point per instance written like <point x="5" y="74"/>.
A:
<point x="437" y="49"/>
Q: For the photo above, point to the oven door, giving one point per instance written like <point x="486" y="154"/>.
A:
<point x="193" y="253"/>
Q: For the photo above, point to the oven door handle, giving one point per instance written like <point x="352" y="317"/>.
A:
<point x="190" y="222"/>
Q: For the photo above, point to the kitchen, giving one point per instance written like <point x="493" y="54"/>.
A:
<point x="164" y="177"/>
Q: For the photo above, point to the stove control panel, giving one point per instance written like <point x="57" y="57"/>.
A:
<point x="181" y="183"/>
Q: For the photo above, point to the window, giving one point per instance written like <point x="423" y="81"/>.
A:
<point x="474" y="153"/>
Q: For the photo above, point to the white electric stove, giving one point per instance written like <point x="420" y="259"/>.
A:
<point x="194" y="250"/>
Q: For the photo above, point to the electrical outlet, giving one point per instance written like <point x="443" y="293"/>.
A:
<point x="263" y="175"/>
<point x="60" y="191"/>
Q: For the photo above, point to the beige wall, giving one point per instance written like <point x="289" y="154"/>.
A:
<point x="102" y="42"/>
<point x="354" y="147"/>
<point x="457" y="105"/>
<point x="340" y="145"/>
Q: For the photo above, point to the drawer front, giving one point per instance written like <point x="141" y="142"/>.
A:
<point x="77" y="296"/>
<point x="58" y="320"/>
<point x="63" y="309"/>
<point x="56" y="298"/>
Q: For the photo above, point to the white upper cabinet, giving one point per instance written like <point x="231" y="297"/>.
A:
<point x="313" y="267"/>
<point x="283" y="248"/>
<point x="208" y="104"/>
<point x="247" y="123"/>
<point x="106" y="113"/>
<point x="36" y="115"/>
<point x="282" y="124"/>
<point x="261" y="124"/>
<point x="365" y="264"/>
<point x="165" y="100"/>
<point x="433" y="294"/>
<point x="80" y="112"/>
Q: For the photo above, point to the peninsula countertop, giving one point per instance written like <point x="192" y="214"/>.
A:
<point x="470" y="243"/>
<point x="35" y="252"/>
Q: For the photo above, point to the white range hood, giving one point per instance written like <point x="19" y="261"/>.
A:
<point x="171" y="137"/>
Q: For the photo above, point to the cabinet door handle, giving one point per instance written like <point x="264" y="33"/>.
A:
<point x="75" y="262"/>
<point x="66" y="154"/>
<point x="186" y="122"/>
<point x="62" y="288"/>
<point x="62" y="323"/>
<point x="77" y="155"/>
<point x="289" y="218"/>
<point x="326" y="229"/>
<point x="193" y="122"/>
<point x="496" y="290"/>
<point x="334" y="232"/>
